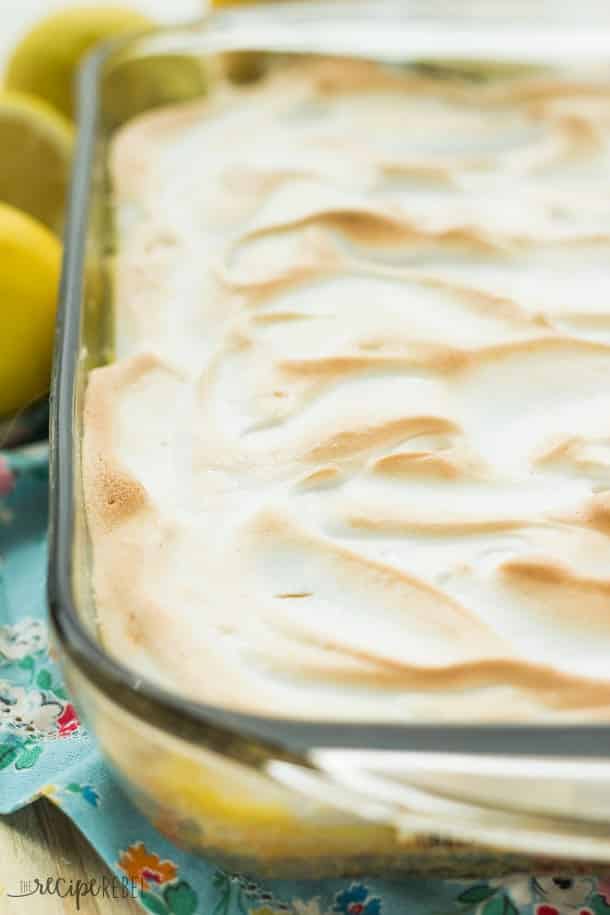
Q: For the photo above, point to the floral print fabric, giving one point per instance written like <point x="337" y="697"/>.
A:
<point x="44" y="751"/>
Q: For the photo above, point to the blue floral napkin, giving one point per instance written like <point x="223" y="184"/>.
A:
<point x="44" y="750"/>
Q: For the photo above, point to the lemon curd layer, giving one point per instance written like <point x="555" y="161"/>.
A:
<point x="353" y="459"/>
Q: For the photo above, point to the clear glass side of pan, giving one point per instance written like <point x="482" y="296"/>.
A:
<point x="129" y="82"/>
<point x="140" y="75"/>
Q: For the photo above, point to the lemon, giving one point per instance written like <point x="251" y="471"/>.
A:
<point x="35" y="152"/>
<point x="30" y="257"/>
<point x="46" y="60"/>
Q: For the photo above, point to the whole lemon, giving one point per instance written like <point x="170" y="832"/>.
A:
<point x="46" y="60"/>
<point x="30" y="259"/>
<point x="35" y="155"/>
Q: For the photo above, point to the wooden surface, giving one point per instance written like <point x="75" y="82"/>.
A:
<point x="40" y="842"/>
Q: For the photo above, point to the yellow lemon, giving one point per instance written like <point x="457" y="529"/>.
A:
<point x="46" y="60"/>
<point x="30" y="258"/>
<point x="35" y="153"/>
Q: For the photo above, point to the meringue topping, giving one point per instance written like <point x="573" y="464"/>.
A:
<point x="351" y="460"/>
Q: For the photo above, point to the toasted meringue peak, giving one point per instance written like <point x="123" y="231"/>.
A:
<point x="353" y="459"/>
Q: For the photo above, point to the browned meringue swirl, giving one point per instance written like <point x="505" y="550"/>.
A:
<point x="352" y="459"/>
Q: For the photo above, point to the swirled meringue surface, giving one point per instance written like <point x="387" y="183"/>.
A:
<point x="353" y="458"/>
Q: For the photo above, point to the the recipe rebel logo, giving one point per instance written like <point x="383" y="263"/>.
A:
<point x="105" y="887"/>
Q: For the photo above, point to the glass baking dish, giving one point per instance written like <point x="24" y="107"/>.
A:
<point x="263" y="794"/>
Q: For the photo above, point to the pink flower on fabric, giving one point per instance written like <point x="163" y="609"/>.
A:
<point x="68" y="721"/>
<point x="7" y="478"/>
<point x="603" y="888"/>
